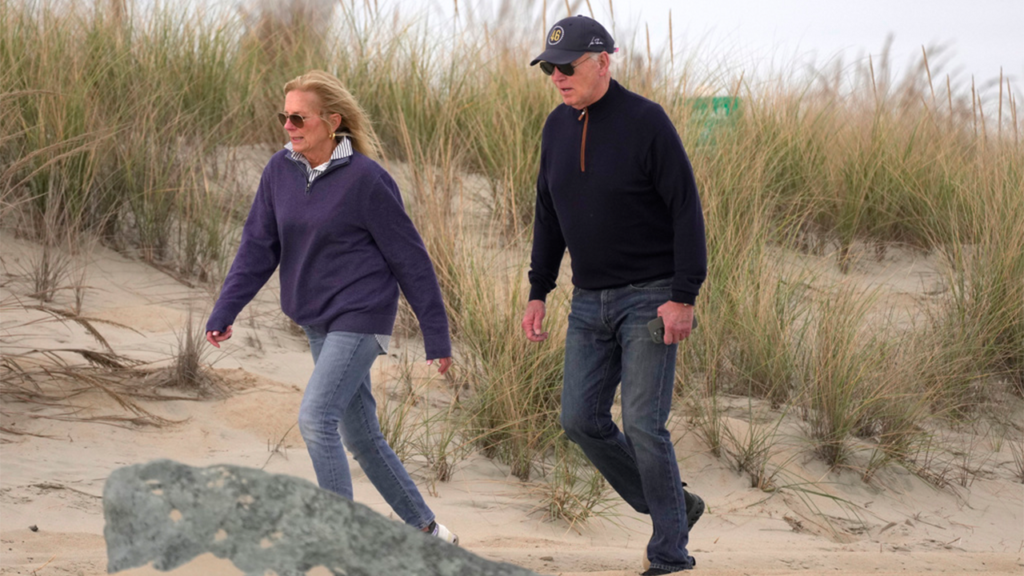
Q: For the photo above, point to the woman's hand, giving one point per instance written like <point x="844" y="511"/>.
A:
<point x="215" y="337"/>
<point x="443" y="364"/>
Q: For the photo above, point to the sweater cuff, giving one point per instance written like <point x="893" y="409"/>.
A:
<point x="218" y="322"/>
<point x="684" y="297"/>
<point x="437" y="346"/>
<point x="537" y="293"/>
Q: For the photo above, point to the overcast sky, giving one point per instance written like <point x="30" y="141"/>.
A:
<point x="980" y="35"/>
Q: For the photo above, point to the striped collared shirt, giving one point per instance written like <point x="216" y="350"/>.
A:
<point x="342" y="149"/>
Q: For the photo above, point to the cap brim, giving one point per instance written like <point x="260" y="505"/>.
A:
<point x="556" y="56"/>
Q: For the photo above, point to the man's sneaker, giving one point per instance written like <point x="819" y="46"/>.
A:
<point x="661" y="572"/>
<point x="445" y="534"/>
<point x="694" y="510"/>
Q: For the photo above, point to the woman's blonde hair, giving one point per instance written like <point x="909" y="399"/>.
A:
<point x="335" y="99"/>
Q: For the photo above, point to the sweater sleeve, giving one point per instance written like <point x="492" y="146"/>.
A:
<point x="258" y="255"/>
<point x="548" y="242"/>
<point x="673" y="178"/>
<point x="403" y="249"/>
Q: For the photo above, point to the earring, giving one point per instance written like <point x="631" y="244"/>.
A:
<point x="332" y="136"/>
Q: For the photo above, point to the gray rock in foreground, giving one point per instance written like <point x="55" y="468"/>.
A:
<point x="168" y="513"/>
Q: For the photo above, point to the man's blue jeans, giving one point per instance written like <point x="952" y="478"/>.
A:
<point x="608" y="343"/>
<point x="338" y="406"/>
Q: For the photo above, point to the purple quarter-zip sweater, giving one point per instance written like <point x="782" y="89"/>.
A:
<point x="345" y="245"/>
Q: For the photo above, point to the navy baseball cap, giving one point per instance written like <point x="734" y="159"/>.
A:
<point x="573" y="37"/>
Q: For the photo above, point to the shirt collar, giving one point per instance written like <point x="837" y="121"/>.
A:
<point x="342" y="149"/>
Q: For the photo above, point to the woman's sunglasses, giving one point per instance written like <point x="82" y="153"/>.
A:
<point x="297" y="121"/>
<point x="567" y="69"/>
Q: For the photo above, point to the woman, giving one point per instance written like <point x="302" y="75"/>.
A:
<point x="334" y="221"/>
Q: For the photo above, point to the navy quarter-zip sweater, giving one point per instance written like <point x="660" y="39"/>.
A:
<point x="616" y="187"/>
<point x="344" y="244"/>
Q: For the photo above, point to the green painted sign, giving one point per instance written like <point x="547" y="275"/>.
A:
<point x="712" y="114"/>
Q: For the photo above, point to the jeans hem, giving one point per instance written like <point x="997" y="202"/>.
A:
<point x="672" y="567"/>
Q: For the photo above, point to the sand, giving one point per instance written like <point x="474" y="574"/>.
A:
<point x="53" y="462"/>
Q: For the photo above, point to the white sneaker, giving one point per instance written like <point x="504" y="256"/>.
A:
<point x="445" y="534"/>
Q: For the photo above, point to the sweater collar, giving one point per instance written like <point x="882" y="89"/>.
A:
<point x="605" y="103"/>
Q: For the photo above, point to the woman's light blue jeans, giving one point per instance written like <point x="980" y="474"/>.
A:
<point x="607" y="343"/>
<point x="338" y="406"/>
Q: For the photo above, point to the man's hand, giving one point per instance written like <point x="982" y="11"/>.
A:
<point x="215" y="337"/>
<point x="533" y="321"/>
<point x="443" y="364"/>
<point x="678" y="320"/>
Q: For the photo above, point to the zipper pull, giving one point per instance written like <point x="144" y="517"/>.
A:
<point x="583" y="140"/>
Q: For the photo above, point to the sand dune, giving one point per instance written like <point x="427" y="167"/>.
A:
<point x="55" y="460"/>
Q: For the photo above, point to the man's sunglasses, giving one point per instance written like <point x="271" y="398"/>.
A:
<point x="567" y="69"/>
<point x="297" y="121"/>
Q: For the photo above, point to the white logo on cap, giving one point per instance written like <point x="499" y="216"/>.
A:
<point x="595" y="41"/>
<point x="556" y="35"/>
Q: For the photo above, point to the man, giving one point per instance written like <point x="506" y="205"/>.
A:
<point x="616" y="188"/>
